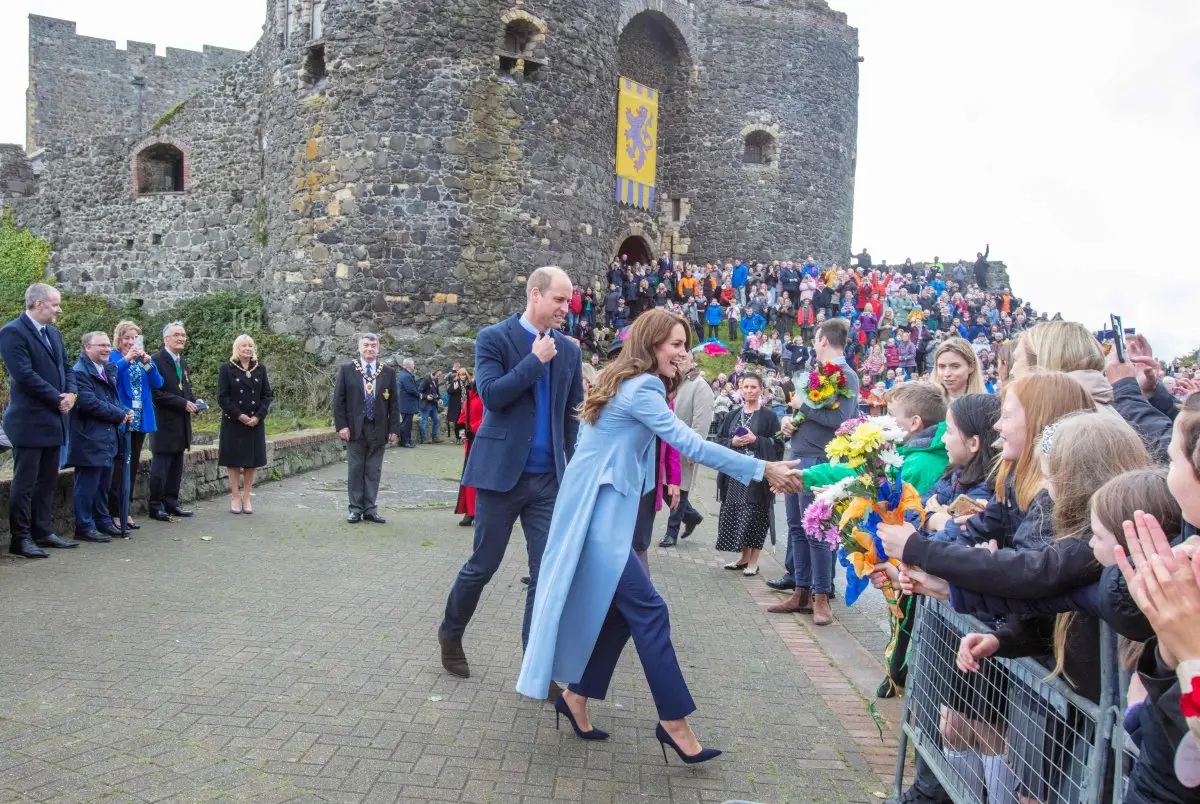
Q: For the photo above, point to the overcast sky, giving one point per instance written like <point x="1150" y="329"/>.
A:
<point x="1066" y="134"/>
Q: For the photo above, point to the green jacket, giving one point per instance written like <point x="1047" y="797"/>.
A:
<point x="925" y="461"/>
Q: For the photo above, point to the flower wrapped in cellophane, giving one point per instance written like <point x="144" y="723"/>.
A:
<point x="824" y="387"/>
<point x="875" y="494"/>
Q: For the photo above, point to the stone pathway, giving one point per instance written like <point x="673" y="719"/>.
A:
<point x="290" y="656"/>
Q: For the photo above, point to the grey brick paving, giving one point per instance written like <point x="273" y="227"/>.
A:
<point x="293" y="657"/>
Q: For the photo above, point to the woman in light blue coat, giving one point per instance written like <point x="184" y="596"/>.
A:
<point x="593" y="593"/>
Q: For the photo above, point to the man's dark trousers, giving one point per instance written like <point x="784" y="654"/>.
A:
<point x="35" y="471"/>
<point x="532" y="500"/>
<point x="684" y="514"/>
<point x="166" y="476"/>
<point x="364" y="465"/>
<point x="406" y="428"/>
<point x="90" y="497"/>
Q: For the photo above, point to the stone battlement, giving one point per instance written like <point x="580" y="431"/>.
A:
<point x="81" y="86"/>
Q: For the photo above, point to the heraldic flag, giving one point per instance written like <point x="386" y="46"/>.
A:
<point x="637" y="146"/>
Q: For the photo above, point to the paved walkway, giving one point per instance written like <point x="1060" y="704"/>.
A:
<point x="290" y="656"/>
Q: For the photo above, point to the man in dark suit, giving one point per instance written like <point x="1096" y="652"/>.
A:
<point x="174" y="406"/>
<point x="93" y="443"/>
<point x="41" y="392"/>
<point x="530" y="378"/>
<point x="409" y="399"/>
<point x="366" y="414"/>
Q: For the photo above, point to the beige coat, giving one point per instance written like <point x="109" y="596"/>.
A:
<point x="694" y="405"/>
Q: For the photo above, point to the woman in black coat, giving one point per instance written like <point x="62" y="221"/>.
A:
<point x="244" y="395"/>
<point x="746" y="510"/>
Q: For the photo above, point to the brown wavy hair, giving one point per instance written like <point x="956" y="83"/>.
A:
<point x="650" y="330"/>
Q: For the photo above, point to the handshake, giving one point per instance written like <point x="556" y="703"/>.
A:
<point x="783" y="477"/>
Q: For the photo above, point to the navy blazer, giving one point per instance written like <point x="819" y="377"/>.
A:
<point x="506" y="372"/>
<point x="36" y="377"/>
<point x="406" y="391"/>
<point x="95" y="417"/>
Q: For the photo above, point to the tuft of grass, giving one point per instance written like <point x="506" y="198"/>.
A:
<point x="168" y="115"/>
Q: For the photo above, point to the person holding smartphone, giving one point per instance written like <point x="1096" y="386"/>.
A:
<point x="137" y="379"/>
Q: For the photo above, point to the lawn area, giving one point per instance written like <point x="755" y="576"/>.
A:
<point x="277" y="422"/>
<point x="712" y="365"/>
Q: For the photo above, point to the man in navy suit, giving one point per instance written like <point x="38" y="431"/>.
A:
<point x="41" y="392"/>
<point x="530" y="378"/>
<point x="93" y="443"/>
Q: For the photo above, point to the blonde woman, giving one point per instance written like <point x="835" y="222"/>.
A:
<point x="244" y="395"/>
<point x="956" y="369"/>
<point x="137" y="379"/>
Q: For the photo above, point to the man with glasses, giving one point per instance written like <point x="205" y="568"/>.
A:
<point x="93" y="443"/>
<point x="174" y="406"/>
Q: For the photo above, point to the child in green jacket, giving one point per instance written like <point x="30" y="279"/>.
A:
<point x="920" y="408"/>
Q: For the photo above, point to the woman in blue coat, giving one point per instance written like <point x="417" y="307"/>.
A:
<point x="137" y="379"/>
<point x="593" y="593"/>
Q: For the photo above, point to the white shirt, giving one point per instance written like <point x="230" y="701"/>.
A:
<point x="41" y="328"/>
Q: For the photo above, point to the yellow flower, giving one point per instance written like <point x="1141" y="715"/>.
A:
<point x="866" y="437"/>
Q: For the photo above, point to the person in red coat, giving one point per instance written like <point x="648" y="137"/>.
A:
<point x="470" y="418"/>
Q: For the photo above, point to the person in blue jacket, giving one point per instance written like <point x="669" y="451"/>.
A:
<point x="712" y="317"/>
<point x="594" y="594"/>
<point x="741" y="275"/>
<point x="137" y="379"/>
<point x="408" y="398"/>
<point x="93" y="442"/>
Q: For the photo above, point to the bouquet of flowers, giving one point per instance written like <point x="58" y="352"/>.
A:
<point x="824" y="388"/>
<point x="874" y="494"/>
<point x="822" y="518"/>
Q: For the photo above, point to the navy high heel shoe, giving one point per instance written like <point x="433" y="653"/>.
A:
<point x="561" y="709"/>
<point x="665" y="739"/>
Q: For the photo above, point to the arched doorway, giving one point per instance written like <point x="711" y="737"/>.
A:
<point x="652" y="51"/>
<point x="636" y="249"/>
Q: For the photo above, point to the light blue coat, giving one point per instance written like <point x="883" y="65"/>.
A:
<point x="591" y="532"/>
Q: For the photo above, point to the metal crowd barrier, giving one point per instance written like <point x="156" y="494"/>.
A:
<point x="1003" y="735"/>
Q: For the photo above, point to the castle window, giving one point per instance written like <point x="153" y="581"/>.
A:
<point x="318" y="22"/>
<point x="314" y="65"/>
<point x="521" y="50"/>
<point x="760" y="149"/>
<point x="160" y="169"/>
<point x="676" y="210"/>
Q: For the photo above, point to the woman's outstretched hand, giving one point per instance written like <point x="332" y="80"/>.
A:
<point x="784" y="478"/>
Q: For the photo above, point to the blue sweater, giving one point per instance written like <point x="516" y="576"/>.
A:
<point x="541" y="454"/>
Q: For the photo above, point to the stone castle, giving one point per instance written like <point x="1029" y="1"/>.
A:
<point x="402" y="166"/>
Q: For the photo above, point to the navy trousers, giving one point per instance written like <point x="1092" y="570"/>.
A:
<point x="684" y="514"/>
<point x="637" y="610"/>
<point x="643" y="528"/>
<point x="531" y="500"/>
<point x="91" y="498"/>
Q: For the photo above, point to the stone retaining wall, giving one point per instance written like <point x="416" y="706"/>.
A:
<point x="287" y="455"/>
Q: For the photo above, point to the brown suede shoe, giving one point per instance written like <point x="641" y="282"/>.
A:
<point x="453" y="657"/>
<point x="822" y="614"/>
<point x="800" y="601"/>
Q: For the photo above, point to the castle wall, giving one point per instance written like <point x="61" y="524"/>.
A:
<point x="792" y="69"/>
<point x="415" y="199"/>
<point x="391" y="176"/>
<point x="161" y="247"/>
<point x="82" y="87"/>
